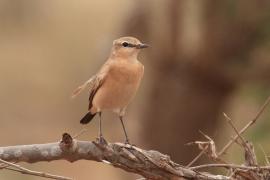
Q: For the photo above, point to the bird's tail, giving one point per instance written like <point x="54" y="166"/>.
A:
<point x="87" y="118"/>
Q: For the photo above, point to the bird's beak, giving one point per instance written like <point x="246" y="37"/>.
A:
<point x="141" y="46"/>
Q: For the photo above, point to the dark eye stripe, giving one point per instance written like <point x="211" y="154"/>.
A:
<point x="125" y="44"/>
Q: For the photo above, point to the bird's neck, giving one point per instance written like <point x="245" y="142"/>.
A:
<point x="124" y="57"/>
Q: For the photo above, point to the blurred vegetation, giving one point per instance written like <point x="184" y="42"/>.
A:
<point x="206" y="57"/>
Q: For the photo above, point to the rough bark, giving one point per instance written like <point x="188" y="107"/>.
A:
<point x="148" y="163"/>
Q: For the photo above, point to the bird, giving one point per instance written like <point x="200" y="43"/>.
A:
<point x="114" y="86"/>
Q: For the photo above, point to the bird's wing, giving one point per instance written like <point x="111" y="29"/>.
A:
<point x="83" y="86"/>
<point x="94" y="83"/>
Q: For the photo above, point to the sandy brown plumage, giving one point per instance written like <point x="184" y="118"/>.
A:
<point x="115" y="85"/>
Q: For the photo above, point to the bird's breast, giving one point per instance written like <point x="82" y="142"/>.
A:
<point x="125" y="75"/>
<point x="119" y="87"/>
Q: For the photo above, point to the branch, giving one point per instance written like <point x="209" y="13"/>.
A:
<point x="233" y="166"/>
<point x="148" y="163"/>
<point x="250" y="156"/>
<point x="228" y="145"/>
<point x="30" y="172"/>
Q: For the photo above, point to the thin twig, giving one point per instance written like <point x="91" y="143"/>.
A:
<point x="228" y="145"/>
<point x="3" y="166"/>
<point x="79" y="133"/>
<point x="30" y="172"/>
<point x="203" y="150"/>
<point x="229" y="120"/>
<point x="197" y="157"/>
<point x="265" y="156"/>
<point x="233" y="166"/>
<point x="208" y="148"/>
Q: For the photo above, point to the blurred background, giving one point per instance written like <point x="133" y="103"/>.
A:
<point x="206" y="57"/>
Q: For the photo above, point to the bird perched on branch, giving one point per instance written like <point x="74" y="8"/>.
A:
<point x="116" y="83"/>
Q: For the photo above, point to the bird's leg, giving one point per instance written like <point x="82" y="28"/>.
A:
<point x="100" y="130"/>
<point x="121" y="119"/>
<point x="101" y="140"/>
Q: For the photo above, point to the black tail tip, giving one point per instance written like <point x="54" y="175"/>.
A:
<point x="87" y="118"/>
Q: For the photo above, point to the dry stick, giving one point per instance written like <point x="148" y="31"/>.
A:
<point x="79" y="133"/>
<point x="203" y="151"/>
<point x="200" y="154"/>
<point x="30" y="172"/>
<point x="227" y="146"/>
<point x="229" y="120"/>
<point x="197" y="157"/>
<point x="4" y="166"/>
<point x="232" y="166"/>
<point x="265" y="156"/>
<point x="42" y="174"/>
<point x="250" y="157"/>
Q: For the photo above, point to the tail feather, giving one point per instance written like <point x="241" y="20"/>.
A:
<point x="87" y="118"/>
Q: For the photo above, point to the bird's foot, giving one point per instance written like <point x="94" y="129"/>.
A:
<point x="101" y="141"/>
<point x="127" y="142"/>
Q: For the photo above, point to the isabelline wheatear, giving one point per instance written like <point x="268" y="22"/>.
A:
<point x="116" y="83"/>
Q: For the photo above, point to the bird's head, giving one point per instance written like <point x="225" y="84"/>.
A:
<point x="127" y="47"/>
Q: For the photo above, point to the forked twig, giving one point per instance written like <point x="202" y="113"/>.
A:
<point x="228" y="145"/>
<point x="206" y="147"/>
<point x="229" y="120"/>
<point x="247" y="147"/>
<point x="197" y="157"/>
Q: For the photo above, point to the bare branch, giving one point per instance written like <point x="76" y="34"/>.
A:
<point x="250" y="157"/>
<point x="79" y="133"/>
<point x="228" y="145"/>
<point x="233" y="166"/>
<point x="265" y="156"/>
<point x="206" y="147"/>
<point x="30" y="172"/>
<point x="197" y="157"/>
<point x="148" y="163"/>
<point x="229" y="120"/>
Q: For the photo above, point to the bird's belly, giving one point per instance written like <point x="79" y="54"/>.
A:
<point x="115" y="95"/>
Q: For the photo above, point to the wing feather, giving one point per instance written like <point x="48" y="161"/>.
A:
<point x="97" y="82"/>
<point x="77" y="91"/>
<point x="94" y="84"/>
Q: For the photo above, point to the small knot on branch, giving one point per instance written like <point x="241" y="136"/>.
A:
<point x="67" y="142"/>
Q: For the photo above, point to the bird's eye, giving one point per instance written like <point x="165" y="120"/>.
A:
<point x="125" y="44"/>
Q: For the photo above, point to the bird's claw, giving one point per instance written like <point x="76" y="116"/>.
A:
<point x="127" y="142"/>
